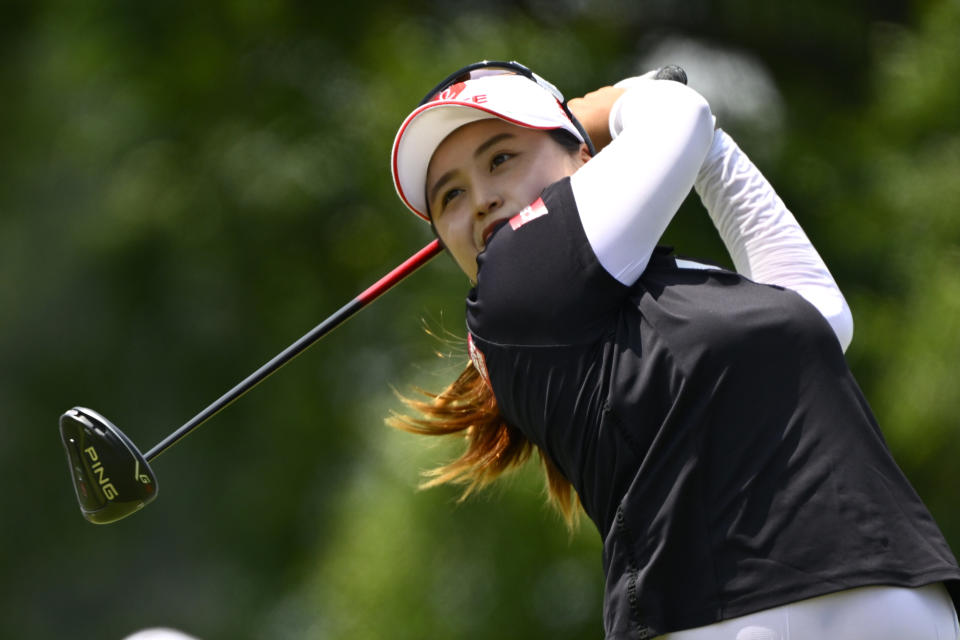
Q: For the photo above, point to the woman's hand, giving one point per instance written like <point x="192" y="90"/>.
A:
<point x="593" y="112"/>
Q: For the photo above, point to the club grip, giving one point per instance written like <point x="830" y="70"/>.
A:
<point x="671" y="72"/>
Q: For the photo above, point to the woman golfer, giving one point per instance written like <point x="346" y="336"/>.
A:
<point x="705" y="420"/>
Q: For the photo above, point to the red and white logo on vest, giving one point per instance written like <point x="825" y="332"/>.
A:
<point x="529" y="213"/>
<point x="479" y="361"/>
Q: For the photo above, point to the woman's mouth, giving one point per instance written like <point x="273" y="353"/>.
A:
<point x="490" y="229"/>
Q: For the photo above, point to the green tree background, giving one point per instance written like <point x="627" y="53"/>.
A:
<point x="186" y="188"/>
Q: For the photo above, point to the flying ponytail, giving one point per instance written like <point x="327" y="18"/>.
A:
<point x="467" y="407"/>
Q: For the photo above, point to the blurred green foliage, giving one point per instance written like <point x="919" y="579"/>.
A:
<point x="186" y="188"/>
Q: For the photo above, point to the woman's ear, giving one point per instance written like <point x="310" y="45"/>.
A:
<point x="584" y="154"/>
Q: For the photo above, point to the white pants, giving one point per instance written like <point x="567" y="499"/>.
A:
<point x="866" y="613"/>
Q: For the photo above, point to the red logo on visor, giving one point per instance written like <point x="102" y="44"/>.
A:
<point x="527" y="214"/>
<point x="451" y="92"/>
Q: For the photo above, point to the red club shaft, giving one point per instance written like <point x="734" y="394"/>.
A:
<point x="403" y="270"/>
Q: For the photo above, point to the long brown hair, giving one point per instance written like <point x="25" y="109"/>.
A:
<point x="468" y="408"/>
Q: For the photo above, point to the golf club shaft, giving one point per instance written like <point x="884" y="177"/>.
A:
<point x="381" y="286"/>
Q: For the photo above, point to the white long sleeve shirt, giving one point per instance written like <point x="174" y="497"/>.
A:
<point x="664" y="143"/>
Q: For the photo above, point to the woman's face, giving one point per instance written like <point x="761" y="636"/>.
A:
<point x="483" y="174"/>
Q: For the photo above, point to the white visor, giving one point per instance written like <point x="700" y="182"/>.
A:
<point x="513" y="98"/>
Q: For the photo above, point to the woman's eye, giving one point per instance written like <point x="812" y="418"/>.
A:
<point x="448" y="197"/>
<point x="499" y="159"/>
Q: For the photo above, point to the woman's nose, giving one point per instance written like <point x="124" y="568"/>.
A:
<point x="487" y="203"/>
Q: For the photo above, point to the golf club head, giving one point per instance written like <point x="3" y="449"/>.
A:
<point x="111" y="477"/>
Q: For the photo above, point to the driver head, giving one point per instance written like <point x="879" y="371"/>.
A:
<point x="110" y="476"/>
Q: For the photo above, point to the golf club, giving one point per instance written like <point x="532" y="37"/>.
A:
<point x="112" y="479"/>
